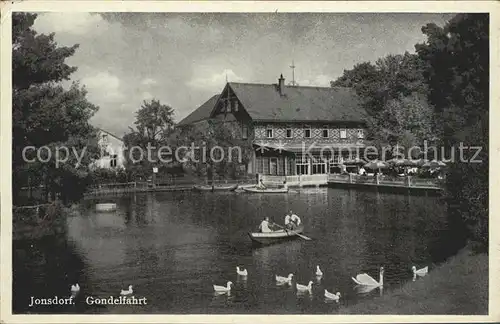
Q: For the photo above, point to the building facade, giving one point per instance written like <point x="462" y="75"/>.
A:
<point x="294" y="130"/>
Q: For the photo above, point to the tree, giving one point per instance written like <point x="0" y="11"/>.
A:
<point x="387" y="79"/>
<point x="154" y="121"/>
<point x="392" y="90"/>
<point x="456" y="60"/>
<point x="46" y="114"/>
<point x="407" y="121"/>
<point x="153" y="125"/>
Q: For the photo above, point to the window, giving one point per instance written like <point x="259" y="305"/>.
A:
<point x="269" y="133"/>
<point x="104" y="138"/>
<point x="343" y="133"/>
<point x="334" y="164"/>
<point x="325" y="131"/>
<point x="318" y="166"/>
<point x="244" y="131"/>
<point x="361" y="133"/>
<point x="236" y="105"/>
<point x="223" y="107"/>
<point x="112" y="162"/>
<point x="307" y="132"/>
<point x="288" y="133"/>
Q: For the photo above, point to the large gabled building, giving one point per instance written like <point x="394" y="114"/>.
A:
<point x="294" y="129"/>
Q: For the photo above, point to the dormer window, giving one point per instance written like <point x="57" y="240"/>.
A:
<point x="269" y="133"/>
<point x="288" y="133"/>
<point x="361" y="133"/>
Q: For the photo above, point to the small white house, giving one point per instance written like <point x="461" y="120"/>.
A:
<point x="112" y="151"/>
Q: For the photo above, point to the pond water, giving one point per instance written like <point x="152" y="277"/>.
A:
<point x="173" y="246"/>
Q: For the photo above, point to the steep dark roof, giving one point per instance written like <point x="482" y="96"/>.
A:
<point x="201" y="113"/>
<point x="263" y="102"/>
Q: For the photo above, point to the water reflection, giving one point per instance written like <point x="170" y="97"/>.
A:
<point x="172" y="247"/>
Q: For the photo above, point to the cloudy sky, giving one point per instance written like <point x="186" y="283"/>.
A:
<point x="183" y="59"/>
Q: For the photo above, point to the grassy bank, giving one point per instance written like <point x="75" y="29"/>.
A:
<point x="457" y="287"/>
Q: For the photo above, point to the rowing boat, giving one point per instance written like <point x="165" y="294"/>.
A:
<point x="216" y="187"/>
<point x="267" y="190"/>
<point x="275" y="236"/>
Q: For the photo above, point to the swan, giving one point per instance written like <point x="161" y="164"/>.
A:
<point x="420" y="272"/>
<point x="329" y="295"/>
<point x="319" y="273"/>
<point x="243" y="272"/>
<point x="365" y="280"/>
<point x="222" y="289"/>
<point x="283" y="280"/>
<point x="127" y="292"/>
<point x="303" y="288"/>
<point x="75" y="288"/>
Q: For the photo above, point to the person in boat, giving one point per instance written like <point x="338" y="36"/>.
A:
<point x="294" y="220"/>
<point x="288" y="221"/>
<point x="264" y="226"/>
<point x="261" y="185"/>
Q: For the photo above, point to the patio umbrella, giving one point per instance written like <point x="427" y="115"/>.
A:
<point x="434" y="164"/>
<point x="420" y="162"/>
<point x="402" y="162"/>
<point x="356" y="161"/>
<point x="376" y="164"/>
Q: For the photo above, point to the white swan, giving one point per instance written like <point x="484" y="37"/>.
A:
<point x="222" y="289"/>
<point x="420" y="272"/>
<point x="365" y="280"/>
<point x="283" y="280"/>
<point x="302" y="288"/>
<point x="75" y="288"/>
<point x="127" y="292"/>
<point x="240" y="272"/>
<point x="319" y="273"/>
<point x="329" y="295"/>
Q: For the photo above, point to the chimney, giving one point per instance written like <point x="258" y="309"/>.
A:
<point x="281" y="85"/>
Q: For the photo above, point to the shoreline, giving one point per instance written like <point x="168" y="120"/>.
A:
<point x="435" y="294"/>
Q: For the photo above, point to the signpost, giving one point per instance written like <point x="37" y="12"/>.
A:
<point x="155" y="171"/>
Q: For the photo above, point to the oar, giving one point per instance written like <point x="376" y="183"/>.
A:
<point x="299" y="235"/>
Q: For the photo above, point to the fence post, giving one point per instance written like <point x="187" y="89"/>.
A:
<point x="350" y="178"/>
<point x="409" y="181"/>
<point x="377" y="179"/>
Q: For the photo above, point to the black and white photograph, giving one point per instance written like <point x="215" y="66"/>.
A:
<point x="267" y="161"/>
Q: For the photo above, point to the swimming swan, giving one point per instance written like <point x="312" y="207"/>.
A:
<point x="420" y="272"/>
<point x="329" y="295"/>
<point x="365" y="280"/>
<point x="303" y="288"/>
<point x="240" y="272"/>
<point x="127" y="292"/>
<point x="222" y="289"/>
<point x="283" y="280"/>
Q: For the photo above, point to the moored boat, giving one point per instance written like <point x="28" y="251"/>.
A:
<point x="267" y="190"/>
<point x="228" y="187"/>
<point x="105" y="207"/>
<point x="275" y="236"/>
